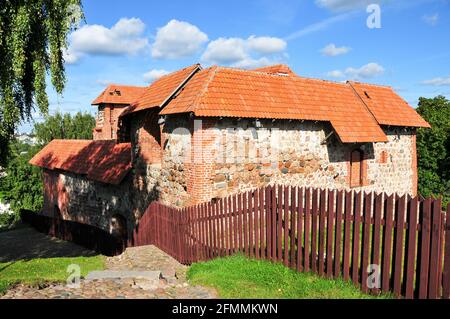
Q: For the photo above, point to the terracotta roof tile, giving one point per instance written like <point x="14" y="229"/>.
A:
<point x="103" y="161"/>
<point x="160" y="90"/>
<point x="387" y="106"/>
<point x="276" y="69"/>
<point x="228" y="92"/>
<point x="119" y="94"/>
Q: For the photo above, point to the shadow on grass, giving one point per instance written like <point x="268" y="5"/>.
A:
<point x="25" y="244"/>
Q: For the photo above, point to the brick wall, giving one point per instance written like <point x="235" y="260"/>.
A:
<point x="107" y="129"/>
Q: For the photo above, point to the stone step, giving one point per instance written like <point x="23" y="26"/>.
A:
<point x="126" y="274"/>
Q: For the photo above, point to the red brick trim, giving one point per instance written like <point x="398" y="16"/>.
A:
<point x="414" y="163"/>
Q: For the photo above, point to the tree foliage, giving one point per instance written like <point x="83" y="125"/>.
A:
<point x="22" y="187"/>
<point x="33" y="37"/>
<point x="433" y="148"/>
<point x="64" y="126"/>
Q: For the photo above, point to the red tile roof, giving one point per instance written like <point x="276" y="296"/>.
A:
<point x="387" y="106"/>
<point x="275" y="69"/>
<point x="119" y="94"/>
<point x="102" y="161"/>
<point x="268" y="93"/>
<point x="161" y="90"/>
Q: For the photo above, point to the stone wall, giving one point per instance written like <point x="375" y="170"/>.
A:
<point x="186" y="161"/>
<point x="77" y="199"/>
<point x="146" y="159"/>
<point x="175" y="167"/>
<point x="236" y="156"/>
<point x="399" y="173"/>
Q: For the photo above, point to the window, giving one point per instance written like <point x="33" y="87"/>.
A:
<point x="100" y="117"/>
<point x="383" y="157"/>
<point x="356" y="168"/>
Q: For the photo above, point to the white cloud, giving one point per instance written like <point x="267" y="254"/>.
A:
<point x="344" y="5"/>
<point x="431" y="19"/>
<point x="367" y="71"/>
<point x="225" y="51"/>
<point x="336" y="74"/>
<point x="245" y="53"/>
<point x="154" y="74"/>
<point x="266" y="45"/>
<point x="250" y="63"/>
<point x="332" y="50"/>
<point x="438" y="81"/>
<point x="124" y="38"/>
<point x="177" y="39"/>
<point x="71" y="57"/>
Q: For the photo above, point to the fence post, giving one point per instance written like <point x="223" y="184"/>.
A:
<point x="446" y="273"/>
<point x="435" y="249"/>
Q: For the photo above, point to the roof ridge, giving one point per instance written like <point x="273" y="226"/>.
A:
<point x="370" y="84"/>
<point x="232" y="68"/>
<point x="322" y="80"/>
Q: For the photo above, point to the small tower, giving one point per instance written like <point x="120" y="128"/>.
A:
<point x="111" y="103"/>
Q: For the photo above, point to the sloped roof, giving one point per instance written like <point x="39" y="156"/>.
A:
<point x="102" y="161"/>
<point x="276" y="69"/>
<point x="269" y="93"/>
<point x="119" y="94"/>
<point x="387" y="106"/>
<point x="161" y="90"/>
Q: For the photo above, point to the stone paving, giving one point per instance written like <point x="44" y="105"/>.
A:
<point x="110" y="289"/>
<point x="171" y="285"/>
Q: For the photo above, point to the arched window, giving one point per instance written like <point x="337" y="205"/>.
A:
<point x="356" y="168"/>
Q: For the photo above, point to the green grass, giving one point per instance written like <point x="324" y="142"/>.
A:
<point x="38" y="271"/>
<point x="241" y="277"/>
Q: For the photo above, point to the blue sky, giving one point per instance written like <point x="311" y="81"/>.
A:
<point x="136" y="41"/>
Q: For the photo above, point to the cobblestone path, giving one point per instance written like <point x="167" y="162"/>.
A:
<point x="172" y="285"/>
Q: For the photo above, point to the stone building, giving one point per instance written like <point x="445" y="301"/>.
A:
<point x="198" y="134"/>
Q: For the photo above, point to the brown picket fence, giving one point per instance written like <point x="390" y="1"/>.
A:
<point x="381" y="243"/>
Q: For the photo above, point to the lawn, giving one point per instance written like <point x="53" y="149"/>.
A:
<point x="241" y="277"/>
<point x="37" y="271"/>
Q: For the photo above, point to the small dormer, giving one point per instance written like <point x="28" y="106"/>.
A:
<point x="111" y="103"/>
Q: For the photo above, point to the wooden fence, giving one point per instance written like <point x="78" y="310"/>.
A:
<point x="381" y="243"/>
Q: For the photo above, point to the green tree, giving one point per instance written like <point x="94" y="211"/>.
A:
<point x="64" y="126"/>
<point x="33" y="37"/>
<point x="22" y="186"/>
<point x="433" y="148"/>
